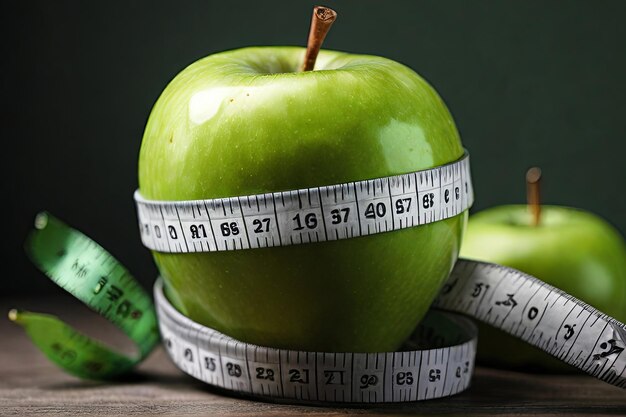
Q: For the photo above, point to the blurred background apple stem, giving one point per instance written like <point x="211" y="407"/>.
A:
<point x="322" y="20"/>
<point x="533" y="193"/>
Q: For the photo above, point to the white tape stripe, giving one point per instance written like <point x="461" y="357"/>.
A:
<point x="539" y="314"/>
<point x="222" y="361"/>
<point x="317" y="214"/>
<point x="505" y="298"/>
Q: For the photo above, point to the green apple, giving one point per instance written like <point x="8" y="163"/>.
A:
<point x="571" y="249"/>
<point x="247" y="121"/>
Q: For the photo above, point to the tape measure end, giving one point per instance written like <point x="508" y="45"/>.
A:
<point x="14" y="315"/>
<point x="41" y="220"/>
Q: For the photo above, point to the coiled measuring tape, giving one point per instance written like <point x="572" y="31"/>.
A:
<point x="88" y="272"/>
<point x="438" y="359"/>
<point x="442" y="369"/>
<point x="505" y="298"/>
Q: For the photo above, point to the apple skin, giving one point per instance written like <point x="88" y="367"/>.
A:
<point x="571" y="249"/>
<point x="244" y="122"/>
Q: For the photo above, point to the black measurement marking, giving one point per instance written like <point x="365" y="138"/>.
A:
<point x="509" y="302"/>
<point x="610" y="347"/>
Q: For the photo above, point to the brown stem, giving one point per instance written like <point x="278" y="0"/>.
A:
<point x="533" y="193"/>
<point x="322" y="20"/>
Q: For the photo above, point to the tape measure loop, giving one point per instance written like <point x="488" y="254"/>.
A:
<point x="441" y="367"/>
<point x="88" y="272"/>
<point x="308" y="215"/>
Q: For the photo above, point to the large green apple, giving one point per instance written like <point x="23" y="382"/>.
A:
<point x="246" y="121"/>
<point x="571" y="249"/>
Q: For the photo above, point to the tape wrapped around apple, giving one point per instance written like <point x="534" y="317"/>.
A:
<point x="571" y="249"/>
<point x="249" y="121"/>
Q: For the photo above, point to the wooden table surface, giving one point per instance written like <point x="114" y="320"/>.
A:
<point x="30" y="385"/>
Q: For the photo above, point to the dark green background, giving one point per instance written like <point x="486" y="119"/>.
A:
<point x="529" y="83"/>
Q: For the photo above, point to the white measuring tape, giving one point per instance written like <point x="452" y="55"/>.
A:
<point x="308" y="215"/>
<point x="439" y="357"/>
<point x="505" y="298"/>
<point x="220" y="360"/>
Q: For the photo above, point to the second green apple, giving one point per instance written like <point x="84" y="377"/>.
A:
<point x="571" y="249"/>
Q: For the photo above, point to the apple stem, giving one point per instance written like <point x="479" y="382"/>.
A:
<point x="322" y="20"/>
<point x="533" y="193"/>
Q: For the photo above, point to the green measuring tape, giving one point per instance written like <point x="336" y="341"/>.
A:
<point x="88" y="272"/>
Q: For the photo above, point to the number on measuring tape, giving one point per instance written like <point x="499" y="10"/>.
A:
<point x="404" y="204"/>
<point x="428" y="184"/>
<point x="404" y="378"/>
<point x="259" y="215"/>
<point x="300" y="216"/>
<point x="228" y="224"/>
<point x="334" y="377"/>
<point x="235" y="369"/>
<point x="299" y="378"/>
<point x="196" y="227"/>
<point x="341" y="210"/>
<point x="374" y="202"/>
<point x="265" y="372"/>
<point x="369" y="376"/>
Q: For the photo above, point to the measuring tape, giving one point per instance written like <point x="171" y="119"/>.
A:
<point x="505" y="298"/>
<point x="307" y="215"/>
<point x="88" y="272"/>
<point x="437" y="361"/>
<point x="443" y="369"/>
